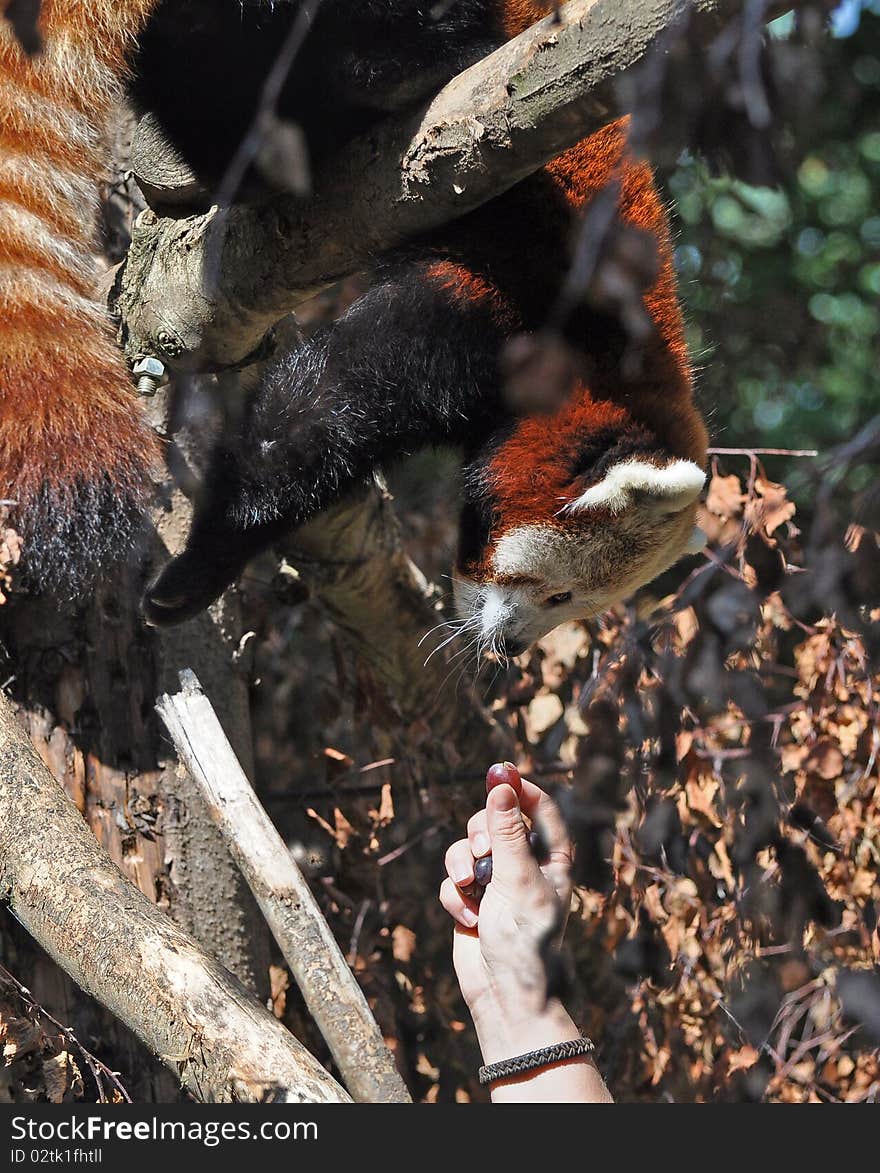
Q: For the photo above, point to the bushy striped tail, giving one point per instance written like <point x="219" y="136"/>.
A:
<point x="75" y="452"/>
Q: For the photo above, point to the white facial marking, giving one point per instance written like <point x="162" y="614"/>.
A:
<point x="495" y="609"/>
<point x="677" y="484"/>
<point x="528" y="549"/>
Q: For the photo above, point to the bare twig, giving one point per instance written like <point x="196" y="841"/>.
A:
<point x="98" y="1068"/>
<point x="762" y="452"/>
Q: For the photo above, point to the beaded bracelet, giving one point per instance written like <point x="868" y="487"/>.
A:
<point x="532" y="1059"/>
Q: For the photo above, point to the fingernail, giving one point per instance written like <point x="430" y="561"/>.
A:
<point x="480" y="845"/>
<point x="468" y="917"/>
<point x="461" y="878"/>
<point x="504" y="798"/>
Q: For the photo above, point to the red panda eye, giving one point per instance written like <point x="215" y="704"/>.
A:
<point x="558" y="600"/>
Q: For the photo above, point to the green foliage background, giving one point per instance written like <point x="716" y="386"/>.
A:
<point x="781" y="285"/>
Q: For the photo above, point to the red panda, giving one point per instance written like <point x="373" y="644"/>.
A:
<point x="562" y="513"/>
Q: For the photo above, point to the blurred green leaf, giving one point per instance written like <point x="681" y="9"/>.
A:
<point x="781" y="286"/>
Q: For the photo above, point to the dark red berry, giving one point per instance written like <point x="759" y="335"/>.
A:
<point x="483" y="870"/>
<point x="503" y="772"/>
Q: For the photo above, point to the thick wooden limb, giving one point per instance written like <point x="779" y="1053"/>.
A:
<point x="204" y="289"/>
<point x="331" y="992"/>
<point x="122" y="950"/>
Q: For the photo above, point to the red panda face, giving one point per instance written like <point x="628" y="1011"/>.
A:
<point x="593" y="546"/>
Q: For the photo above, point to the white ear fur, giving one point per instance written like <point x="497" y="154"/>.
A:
<point x="696" y="542"/>
<point x="676" y="485"/>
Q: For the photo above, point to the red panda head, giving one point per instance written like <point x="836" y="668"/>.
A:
<point x="552" y="536"/>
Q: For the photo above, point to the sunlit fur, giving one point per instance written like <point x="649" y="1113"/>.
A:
<point x="675" y="484"/>
<point x="74" y="452"/>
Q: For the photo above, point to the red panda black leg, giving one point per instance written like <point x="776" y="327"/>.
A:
<point x="407" y="366"/>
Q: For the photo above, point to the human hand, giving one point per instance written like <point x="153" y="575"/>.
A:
<point x="498" y="940"/>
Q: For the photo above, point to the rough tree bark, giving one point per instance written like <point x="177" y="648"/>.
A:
<point x="187" y="1009"/>
<point x="85" y="680"/>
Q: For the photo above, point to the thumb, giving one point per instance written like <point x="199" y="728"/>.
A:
<point x="512" y="858"/>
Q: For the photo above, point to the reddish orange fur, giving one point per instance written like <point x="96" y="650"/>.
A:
<point x="466" y="286"/>
<point x="529" y="471"/>
<point x="518" y="15"/>
<point x="68" y="416"/>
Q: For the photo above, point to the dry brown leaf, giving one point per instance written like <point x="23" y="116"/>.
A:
<point x="60" y="1076"/>
<point x="701" y="793"/>
<point x="386" y="805"/>
<point x="770" y="507"/>
<point x="19" y="1037"/>
<point x="792" y="757"/>
<point x="279" y="984"/>
<point x="686" y="624"/>
<point x="725" y="497"/>
<point x="542" y="714"/>
<point x="826" y="760"/>
<point x="742" y="1059"/>
<point x="403" y="943"/>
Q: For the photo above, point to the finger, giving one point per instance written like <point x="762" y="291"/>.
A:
<point x="461" y="911"/>
<point x="535" y="803"/>
<point x="478" y="834"/>
<point x="543" y="811"/>
<point x="512" y="859"/>
<point x="460" y="863"/>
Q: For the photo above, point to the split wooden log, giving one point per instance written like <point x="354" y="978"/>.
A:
<point x="188" y="1010"/>
<point x="328" y="986"/>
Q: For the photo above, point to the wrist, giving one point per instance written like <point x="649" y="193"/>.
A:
<point x="507" y="1030"/>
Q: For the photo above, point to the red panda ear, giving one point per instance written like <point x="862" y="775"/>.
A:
<point x="665" y="488"/>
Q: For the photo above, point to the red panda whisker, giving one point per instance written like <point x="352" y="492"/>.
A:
<point x="458" y="623"/>
<point x="445" y="642"/>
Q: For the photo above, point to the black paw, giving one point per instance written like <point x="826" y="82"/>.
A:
<point x="186" y="586"/>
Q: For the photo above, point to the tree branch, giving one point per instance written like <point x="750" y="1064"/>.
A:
<point x="333" y="997"/>
<point x="204" y="289"/>
<point x="121" y="949"/>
